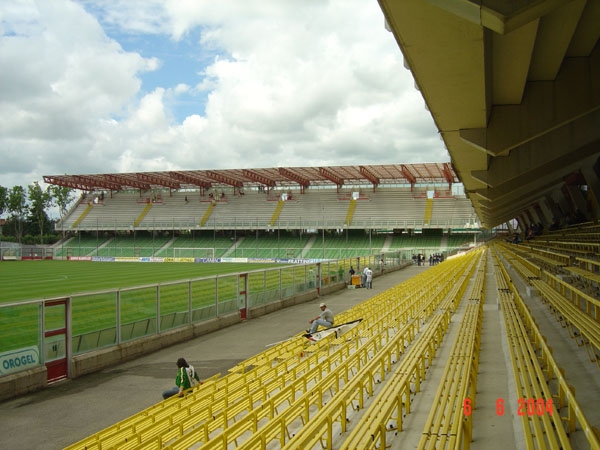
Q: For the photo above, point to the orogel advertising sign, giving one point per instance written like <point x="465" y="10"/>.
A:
<point x="19" y="360"/>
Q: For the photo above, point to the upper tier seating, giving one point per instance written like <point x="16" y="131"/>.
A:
<point x="385" y="208"/>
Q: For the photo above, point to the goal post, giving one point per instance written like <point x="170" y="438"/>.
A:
<point x="191" y="252"/>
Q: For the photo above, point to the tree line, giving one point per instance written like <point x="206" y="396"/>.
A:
<point x="28" y="221"/>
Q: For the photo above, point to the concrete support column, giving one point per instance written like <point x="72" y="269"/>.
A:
<point x="554" y="207"/>
<point x="546" y="212"/>
<point x="563" y="202"/>
<point x="522" y="221"/>
<point x="536" y="216"/>
<point x="577" y="198"/>
<point x="593" y="182"/>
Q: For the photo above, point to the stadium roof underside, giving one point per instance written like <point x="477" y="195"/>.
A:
<point x="334" y="176"/>
<point x="514" y="89"/>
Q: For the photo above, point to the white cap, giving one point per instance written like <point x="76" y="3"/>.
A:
<point x="321" y="305"/>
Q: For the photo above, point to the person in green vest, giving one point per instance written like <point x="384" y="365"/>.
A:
<point x="186" y="379"/>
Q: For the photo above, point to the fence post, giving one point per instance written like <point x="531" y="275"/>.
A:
<point x="243" y="295"/>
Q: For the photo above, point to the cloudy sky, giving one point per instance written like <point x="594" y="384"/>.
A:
<point x="97" y="86"/>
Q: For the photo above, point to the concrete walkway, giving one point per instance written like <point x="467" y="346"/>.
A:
<point x="490" y="432"/>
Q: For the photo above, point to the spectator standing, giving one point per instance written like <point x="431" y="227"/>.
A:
<point x="311" y="278"/>
<point x="369" y="278"/>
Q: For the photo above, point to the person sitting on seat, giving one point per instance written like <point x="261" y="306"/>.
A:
<point x="186" y="379"/>
<point x="324" y="319"/>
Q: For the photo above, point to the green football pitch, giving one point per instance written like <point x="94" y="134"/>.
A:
<point x="34" y="280"/>
<point x="31" y="280"/>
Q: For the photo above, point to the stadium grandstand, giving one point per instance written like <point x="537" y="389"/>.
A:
<point x="495" y="348"/>
<point x="284" y="212"/>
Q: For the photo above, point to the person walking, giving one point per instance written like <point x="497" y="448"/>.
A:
<point x="186" y="379"/>
<point x="324" y="319"/>
<point x="369" y="279"/>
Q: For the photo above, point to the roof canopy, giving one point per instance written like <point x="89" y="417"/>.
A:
<point x="426" y="173"/>
<point x="513" y="87"/>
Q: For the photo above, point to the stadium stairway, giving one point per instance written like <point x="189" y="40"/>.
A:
<point x="73" y="410"/>
<point x="308" y="246"/>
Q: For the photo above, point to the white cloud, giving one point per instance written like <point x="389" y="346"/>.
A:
<point x="286" y="83"/>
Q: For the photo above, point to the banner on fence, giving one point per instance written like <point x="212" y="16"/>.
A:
<point x="154" y="259"/>
<point x="19" y="360"/>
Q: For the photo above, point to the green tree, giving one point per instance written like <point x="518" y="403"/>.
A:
<point x="3" y="202"/>
<point x="41" y="200"/>
<point x="3" y="199"/>
<point x="17" y="207"/>
<point x="62" y="197"/>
